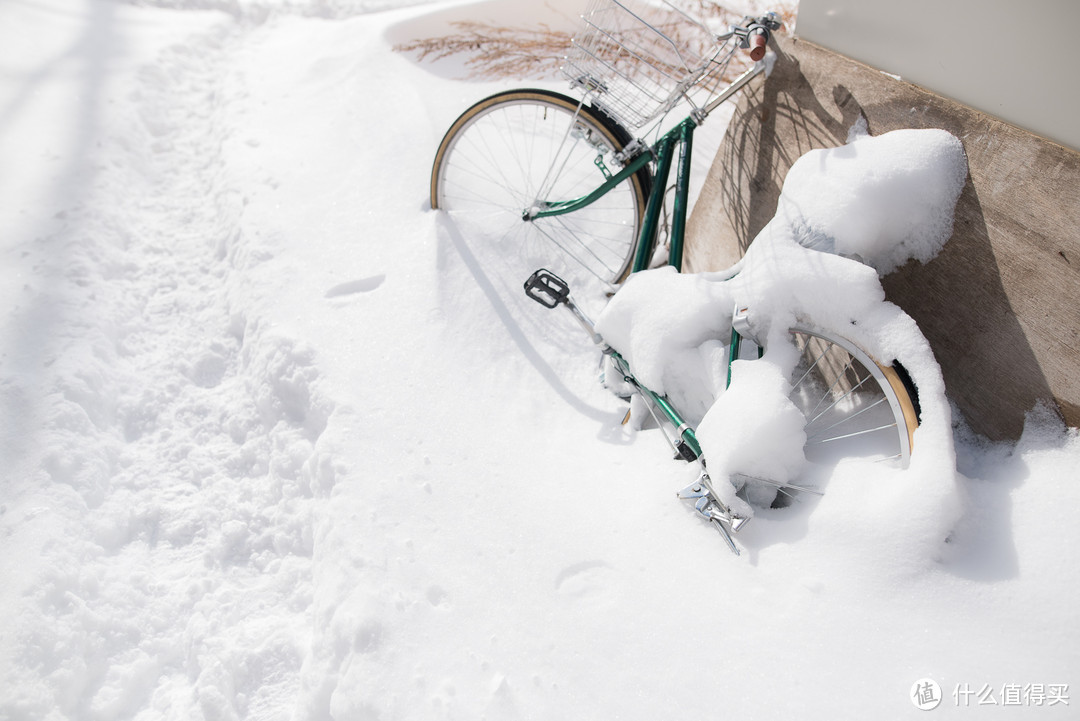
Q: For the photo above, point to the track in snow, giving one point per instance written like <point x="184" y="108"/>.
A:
<point x="179" y="435"/>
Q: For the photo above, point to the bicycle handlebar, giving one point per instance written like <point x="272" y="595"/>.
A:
<point x="757" y="40"/>
<point x="755" y="37"/>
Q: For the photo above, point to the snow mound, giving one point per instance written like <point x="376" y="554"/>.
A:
<point x="884" y="200"/>
<point x="896" y="194"/>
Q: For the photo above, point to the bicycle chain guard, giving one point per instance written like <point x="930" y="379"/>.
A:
<point x="547" y="289"/>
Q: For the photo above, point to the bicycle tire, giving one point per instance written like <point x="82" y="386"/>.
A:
<point x="854" y="404"/>
<point x="496" y="155"/>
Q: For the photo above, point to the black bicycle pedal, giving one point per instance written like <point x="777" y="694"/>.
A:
<point x="546" y="288"/>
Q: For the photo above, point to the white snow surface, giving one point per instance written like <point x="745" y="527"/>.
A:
<point x="276" y="447"/>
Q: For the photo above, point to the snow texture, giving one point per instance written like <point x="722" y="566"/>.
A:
<point x="884" y="200"/>
<point x="275" y="445"/>
<point x="674" y="329"/>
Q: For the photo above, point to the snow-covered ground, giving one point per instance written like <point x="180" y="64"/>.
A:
<point x="275" y="445"/>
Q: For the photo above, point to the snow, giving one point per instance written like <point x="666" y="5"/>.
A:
<point x="276" y="446"/>
<point x="884" y="200"/>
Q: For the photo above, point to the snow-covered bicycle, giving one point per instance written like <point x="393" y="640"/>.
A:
<point x="562" y="183"/>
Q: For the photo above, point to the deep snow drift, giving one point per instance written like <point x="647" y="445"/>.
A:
<point x="276" y="446"/>
<point x="883" y="200"/>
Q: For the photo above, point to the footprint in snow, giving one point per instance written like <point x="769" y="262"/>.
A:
<point x="587" y="578"/>
<point x="438" y="597"/>
<point x="363" y="285"/>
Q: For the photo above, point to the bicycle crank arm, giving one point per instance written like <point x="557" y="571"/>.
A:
<point x="551" y="291"/>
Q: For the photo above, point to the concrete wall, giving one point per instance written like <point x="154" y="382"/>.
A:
<point x="1016" y="61"/>
<point x="1000" y="303"/>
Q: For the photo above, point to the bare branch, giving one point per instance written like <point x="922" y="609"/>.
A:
<point x="493" y="52"/>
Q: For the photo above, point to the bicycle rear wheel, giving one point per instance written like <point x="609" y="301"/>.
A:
<point x="854" y="405"/>
<point x="512" y="151"/>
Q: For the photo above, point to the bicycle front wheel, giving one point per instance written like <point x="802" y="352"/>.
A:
<point x="854" y="404"/>
<point x="518" y="150"/>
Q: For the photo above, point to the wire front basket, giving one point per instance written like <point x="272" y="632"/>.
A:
<point x="638" y="58"/>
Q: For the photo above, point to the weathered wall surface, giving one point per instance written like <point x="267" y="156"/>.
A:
<point x="1000" y="303"/>
<point x="1003" y="58"/>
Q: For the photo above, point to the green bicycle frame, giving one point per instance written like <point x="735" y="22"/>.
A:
<point x="663" y="152"/>
<point x="688" y="446"/>
<point x="683" y="134"/>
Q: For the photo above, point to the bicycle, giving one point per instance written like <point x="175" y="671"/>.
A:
<point x="569" y="182"/>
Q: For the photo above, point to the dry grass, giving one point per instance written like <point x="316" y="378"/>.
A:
<point x="493" y="52"/>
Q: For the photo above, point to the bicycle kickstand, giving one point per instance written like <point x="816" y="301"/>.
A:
<point x="710" y="507"/>
<point x="707" y="503"/>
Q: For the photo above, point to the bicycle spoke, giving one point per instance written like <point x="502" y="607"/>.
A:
<point x="831" y="388"/>
<point x="524" y="149"/>
<point x="847" y="401"/>
<point x="598" y="274"/>
<point x="839" y="400"/>
<point x="857" y="433"/>
<point x="848" y="419"/>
